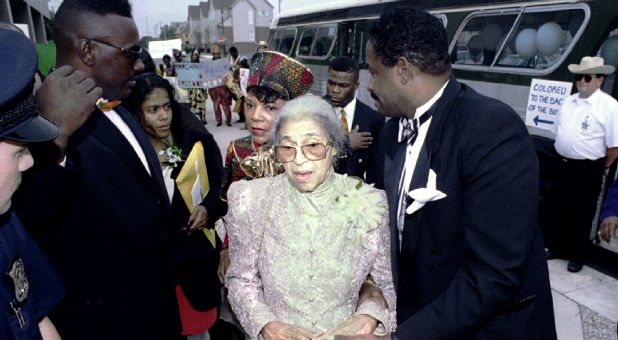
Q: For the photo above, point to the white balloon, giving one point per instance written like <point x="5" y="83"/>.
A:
<point x="609" y="51"/>
<point x="549" y="38"/>
<point x="525" y="44"/>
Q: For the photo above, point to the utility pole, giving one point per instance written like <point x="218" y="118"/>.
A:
<point x="222" y="29"/>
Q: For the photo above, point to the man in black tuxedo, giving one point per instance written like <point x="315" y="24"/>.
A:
<point x="359" y="122"/>
<point x="461" y="177"/>
<point x="108" y="229"/>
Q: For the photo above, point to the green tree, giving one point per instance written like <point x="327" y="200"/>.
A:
<point x="145" y="40"/>
<point x="167" y="32"/>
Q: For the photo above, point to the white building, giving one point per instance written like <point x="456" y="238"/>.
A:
<point x="242" y="23"/>
<point x="27" y="12"/>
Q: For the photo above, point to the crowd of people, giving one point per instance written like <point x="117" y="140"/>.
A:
<point x="326" y="221"/>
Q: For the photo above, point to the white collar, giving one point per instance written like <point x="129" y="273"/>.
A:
<point x="593" y="98"/>
<point x="425" y="107"/>
<point x="349" y="107"/>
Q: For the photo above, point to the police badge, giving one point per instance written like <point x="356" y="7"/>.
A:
<point x="16" y="275"/>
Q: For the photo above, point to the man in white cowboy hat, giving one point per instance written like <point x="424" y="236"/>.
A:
<point x="587" y="141"/>
<point x="262" y="46"/>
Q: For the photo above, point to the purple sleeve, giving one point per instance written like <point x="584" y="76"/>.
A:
<point x="610" y="207"/>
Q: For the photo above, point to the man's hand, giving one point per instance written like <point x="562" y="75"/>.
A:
<point x="282" y="331"/>
<point x="608" y="228"/>
<point x="359" y="324"/>
<point x="224" y="263"/>
<point x="67" y="98"/>
<point x="359" y="140"/>
<point x="197" y="221"/>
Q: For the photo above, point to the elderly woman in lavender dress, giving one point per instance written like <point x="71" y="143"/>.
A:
<point x="302" y="243"/>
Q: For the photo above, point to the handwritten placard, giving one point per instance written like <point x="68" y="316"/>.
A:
<point x="544" y="102"/>
<point x="190" y="75"/>
<point x="244" y="78"/>
<point x="215" y="70"/>
<point x="158" y="49"/>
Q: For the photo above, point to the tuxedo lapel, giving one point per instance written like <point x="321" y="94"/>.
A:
<point x="358" y="116"/>
<point x="151" y="157"/>
<point x="394" y="159"/>
<point x="413" y="222"/>
<point x="102" y="129"/>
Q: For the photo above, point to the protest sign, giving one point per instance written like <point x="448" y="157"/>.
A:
<point x="158" y="49"/>
<point x="195" y="75"/>
<point x="544" y="102"/>
<point x="190" y="75"/>
<point x="215" y="70"/>
<point x="244" y="78"/>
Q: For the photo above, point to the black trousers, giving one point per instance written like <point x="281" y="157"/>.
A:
<point x="576" y="187"/>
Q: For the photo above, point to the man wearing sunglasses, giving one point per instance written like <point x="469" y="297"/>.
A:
<point x="107" y="229"/>
<point x="587" y="141"/>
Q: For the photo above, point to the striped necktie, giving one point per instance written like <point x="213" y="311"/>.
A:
<point x="344" y="122"/>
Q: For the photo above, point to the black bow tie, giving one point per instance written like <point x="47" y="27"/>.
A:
<point x="410" y="127"/>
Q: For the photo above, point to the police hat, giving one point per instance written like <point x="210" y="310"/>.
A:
<point x="19" y="110"/>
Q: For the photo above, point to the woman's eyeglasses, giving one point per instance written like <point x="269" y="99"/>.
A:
<point x="132" y="53"/>
<point x="587" y="77"/>
<point x="312" y="151"/>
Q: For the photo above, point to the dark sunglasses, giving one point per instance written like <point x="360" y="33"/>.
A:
<point x="587" y="77"/>
<point x="132" y="53"/>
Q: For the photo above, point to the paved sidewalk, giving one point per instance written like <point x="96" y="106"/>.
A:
<point x="585" y="303"/>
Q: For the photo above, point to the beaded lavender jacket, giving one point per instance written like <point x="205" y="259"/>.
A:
<point x="304" y="262"/>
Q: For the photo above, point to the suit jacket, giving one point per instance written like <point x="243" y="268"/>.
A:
<point x="106" y="231"/>
<point x="472" y="264"/>
<point x="363" y="163"/>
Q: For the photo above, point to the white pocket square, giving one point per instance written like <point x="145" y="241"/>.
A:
<point x="424" y="195"/>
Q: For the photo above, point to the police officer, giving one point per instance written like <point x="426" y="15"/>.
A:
<point x="30" y="287"/>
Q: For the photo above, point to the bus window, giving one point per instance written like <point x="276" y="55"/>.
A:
<point x="275" y="40"/>
<point x="609" y="52"/>
<point x="306" y="40"/>
<point x="532" y="40"/>
<point x="282" y="40"/>
<point x="323" y="41"/>
<point x="287" y="40"/>
<point x="541" y="38"/>
<point x="481" y="38"/>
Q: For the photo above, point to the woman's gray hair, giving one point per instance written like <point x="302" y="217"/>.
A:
<point x="316" y="109"/>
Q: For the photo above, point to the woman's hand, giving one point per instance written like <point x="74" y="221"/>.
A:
<point x="359" y="324"/>
<point x="224" y="263"/>
<point x="198" y="219"/>
<point x="279" y="331"/>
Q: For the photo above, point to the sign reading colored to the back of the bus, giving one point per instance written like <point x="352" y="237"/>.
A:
<point x="544" y="101"/>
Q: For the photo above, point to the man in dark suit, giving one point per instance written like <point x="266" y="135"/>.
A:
<point x="108" y="228"/>
<point x="361" y="123"/>
<point x="461" y="177"/>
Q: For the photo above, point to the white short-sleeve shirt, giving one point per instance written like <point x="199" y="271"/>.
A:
<point x="585" y="128"/>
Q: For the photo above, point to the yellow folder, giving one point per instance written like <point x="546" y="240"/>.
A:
<point x="193" y="183"/>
